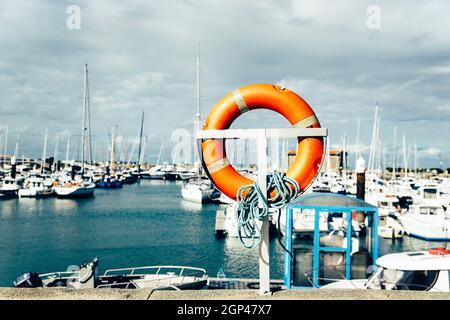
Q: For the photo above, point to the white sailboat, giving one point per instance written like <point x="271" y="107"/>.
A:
<point x="78" y="186"/>
<point x="197" y="189"/>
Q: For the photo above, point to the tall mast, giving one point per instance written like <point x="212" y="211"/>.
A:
<point x="55" y="153"/>
<point x="44" y="152"/>
<point x="16" y="151"/>
<point x="160" y="151"/>
<point x="198" y="115"/>
<point x="83" y="128"/>
<point x="140" y="143"/>
<point x="372" y="144"/>
<point x="415" y="159"/>
<point x="144" y="147"/>
<point x="68" y="147"/>
<point x="358" y="129"/>
<point x="394" y="154"/>
<point x="88" y="114"/>
<point x="6" y="146"/>
<point x="405" y="159"/>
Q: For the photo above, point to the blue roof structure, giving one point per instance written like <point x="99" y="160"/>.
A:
<point x="330" y="201"/>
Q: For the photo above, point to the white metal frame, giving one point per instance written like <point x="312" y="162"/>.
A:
<point x="262" y="135"/>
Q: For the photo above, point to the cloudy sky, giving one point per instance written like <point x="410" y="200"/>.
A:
<point x="141" y="56"/>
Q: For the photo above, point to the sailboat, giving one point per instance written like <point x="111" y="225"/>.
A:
<point x="76" y="186"/>
<point x="198" y="189"/>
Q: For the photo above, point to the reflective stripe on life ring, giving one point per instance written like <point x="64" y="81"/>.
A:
<point x="261" y="96"/>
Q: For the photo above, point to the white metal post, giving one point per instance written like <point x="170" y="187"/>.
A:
<point x="264" y="265"/>
<point x="261" y="136"/>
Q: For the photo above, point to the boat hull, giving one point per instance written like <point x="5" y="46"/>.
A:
<point x="74" y="192"/>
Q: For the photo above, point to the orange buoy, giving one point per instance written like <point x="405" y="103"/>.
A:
<point x="291" y="106"/>
<point x="440" y="251"/>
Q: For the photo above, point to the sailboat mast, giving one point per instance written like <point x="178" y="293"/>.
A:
<point x="394" y="154"/>
<point x="198" y="115"/>
<point x="16" y="151"/>
<point x="6" y="146"/>
<point x="83" y="133"/>
<point x="88" y="114"/>
<point x="405" y="161"/>
<point x="55" y="153"/>
<point x="372" y="144"/>
<point x="358" y="129"/>
<point x="44" y="152"/>
<point x="68" y="147"/>
<point x="140" y="143"/>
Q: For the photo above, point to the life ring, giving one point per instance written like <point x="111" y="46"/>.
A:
<point x="56" y="183"/>
<point x="440" y="251"/>
<point x="291" y="106"/>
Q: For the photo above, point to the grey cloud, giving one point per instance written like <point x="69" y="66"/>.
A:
<point x="141" y="56"/>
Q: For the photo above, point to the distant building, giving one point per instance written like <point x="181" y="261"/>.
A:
<point x="336" y="160"/>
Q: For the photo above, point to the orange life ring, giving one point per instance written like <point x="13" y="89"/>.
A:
<point x="291" y="106"/>
<point x="439" y="251"/>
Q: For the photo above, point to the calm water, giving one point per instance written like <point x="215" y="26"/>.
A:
<point x="143" y="224"/>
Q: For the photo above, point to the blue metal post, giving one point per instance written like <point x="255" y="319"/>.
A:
<point x="288" y="245"/>
<point x="316" y="253"/>
<point x="375" y="239"/>
<point x="348" y="249"/>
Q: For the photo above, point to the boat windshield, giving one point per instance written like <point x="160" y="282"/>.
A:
<point x="390" y="279"/>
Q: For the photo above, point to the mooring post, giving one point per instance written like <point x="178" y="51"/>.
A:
<point x="264" y="260"/>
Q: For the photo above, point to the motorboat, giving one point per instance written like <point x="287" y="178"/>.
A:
<point x="35" y="187"/>
<point x="427" y="221"/>
<point x="418" y="270"/>
<point x="10" y="187"/>
<point x="199" y="190"/>
<point x="109" y="182"/>
<point x="86" y="276"/>
<point x="390" y="227"/>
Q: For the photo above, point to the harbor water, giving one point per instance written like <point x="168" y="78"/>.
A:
<point x="147" y="223"/>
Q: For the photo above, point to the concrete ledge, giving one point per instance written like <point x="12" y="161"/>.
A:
<point x="118" y="294"/>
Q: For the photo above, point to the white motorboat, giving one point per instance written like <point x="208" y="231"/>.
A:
<point x="427" y="221"/>
<point x="389" y="227"/>
<point x="35" y="187"/>
<point x="9" y="188"/>
<point x="419" y="270"/>
<point x="86" y="276"/>
<point x="198" y="190"/>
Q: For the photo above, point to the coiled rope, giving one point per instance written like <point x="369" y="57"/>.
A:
<point x="253" y="206"/>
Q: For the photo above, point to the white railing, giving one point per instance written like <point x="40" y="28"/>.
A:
<point x="157" y="268"/>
